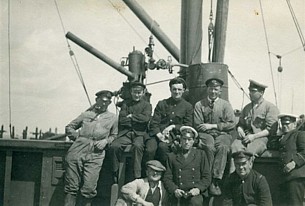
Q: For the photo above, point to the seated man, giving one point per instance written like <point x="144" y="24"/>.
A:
<point x="133" y="120"/>
<point x="147" y="191"/>
<point x="246" y="186"/>
<point x="256" y="122"/>
<point x="214" y="119"/>
<point x="187" y="176"/>
<point x="169" y="115"/>
<point x="292" y="153"/>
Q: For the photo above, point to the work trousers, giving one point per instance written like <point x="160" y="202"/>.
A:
<point x="118" y="146"/>
<point x="217" y="149"/>
<point x="257" y="147"/>
<point x="83" y="168"/>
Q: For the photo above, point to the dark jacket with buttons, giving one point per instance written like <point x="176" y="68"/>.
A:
<point x="253" y="190"/>
<point x="187" y="173"/>
<point x="141" y="114"/>
<point x="168" y="112"/>
<point x="292" y="147"/>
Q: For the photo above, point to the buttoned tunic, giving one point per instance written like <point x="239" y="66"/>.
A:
<point x="187" y="173"/>
<point x="253" y="190"/>
<point x="171" y="112"/>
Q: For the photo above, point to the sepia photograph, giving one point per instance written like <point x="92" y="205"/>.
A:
<point x="152" y="102"/>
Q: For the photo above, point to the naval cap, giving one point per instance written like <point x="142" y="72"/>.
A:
<point x="188" y="129"/>
<point x="242" y="155"/>
<point x="137" y="84"/>
<point x="104" y="93"/>
<point x="257" y="85"/>
<point x="155" y="165"/>
<point x="287" y="118"/>
<point x="214" y="82"/>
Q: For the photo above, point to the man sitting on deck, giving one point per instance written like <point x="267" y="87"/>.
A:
<point x="133" y="120"/>
<point x="147" y="191"/>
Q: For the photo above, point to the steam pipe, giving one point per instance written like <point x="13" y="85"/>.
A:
<point x="154" y="27"/>
<point x="100" y="55"/>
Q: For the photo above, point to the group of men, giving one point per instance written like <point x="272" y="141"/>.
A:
<point x="189" y="145"/>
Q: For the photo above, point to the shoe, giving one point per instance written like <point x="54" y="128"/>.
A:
<point x="214" y="190"/>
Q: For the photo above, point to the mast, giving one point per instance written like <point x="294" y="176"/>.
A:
<point x="154" y="27"/>
<point x="220" y="30"/>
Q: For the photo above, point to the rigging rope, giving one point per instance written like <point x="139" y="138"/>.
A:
<point x="9" y="66"/>
<point x="72" y="56"/>
<point x="296" y="24"/>
<point x="266" y="37"/>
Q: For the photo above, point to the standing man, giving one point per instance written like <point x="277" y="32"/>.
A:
<point x="246" y="186"/>
<point x="292" y="153"/>
<point x="133" y="120"/>
<point x="256" y="121"/>
<point x="169" y="115"/>
<point x="147" y="191"/>
<point x="187" y="176"/>
<point x="84" y="160"/>
<point x="214" y="119"/>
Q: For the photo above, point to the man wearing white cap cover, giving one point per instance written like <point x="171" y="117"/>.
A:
<point x="187" y="176"/>
<point x="292" y="154"/>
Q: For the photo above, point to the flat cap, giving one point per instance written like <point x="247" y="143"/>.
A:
<point x="155" y="165"/>
<point x="242" y="155"/>
<point x="189" y="129"/>
<point x="287" y="118"/>
<point x="256" y="85"/>
<point x="137" y="84"/>
<point x="214" y="82"/>
<point x="104" y="93"/>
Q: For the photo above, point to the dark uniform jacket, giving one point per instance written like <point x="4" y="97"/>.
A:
<point x="141" y="114"/>
<point x="292" y="147"/>
<point x="187" y="173"/>
<point x="168" y="112"/>
<point x="254" y="189"/>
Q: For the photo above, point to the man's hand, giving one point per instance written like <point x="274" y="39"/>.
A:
<point x="194" y="192"/>
<point x="73" y="136"/>
<point x="101" y="144"/>
<point x="203" y="127"/>
<point x="289" y="166"/>
<point x="129" y="116"/>
<point x="162" y="138"/>
<point x="241" y="133"/>
<point x="248" y="139"/>
<point x="179" y="193"/>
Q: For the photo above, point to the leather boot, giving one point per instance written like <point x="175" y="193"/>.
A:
<point x="85" y="201"/>
<point x="70" y="200"/>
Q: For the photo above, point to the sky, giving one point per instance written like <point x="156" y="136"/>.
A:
<point x="45" y="90"/>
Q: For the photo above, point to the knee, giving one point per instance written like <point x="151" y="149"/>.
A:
<point x="151" y="146"/>
<point x="196" y="200"/>
<point x="138" y="146"/>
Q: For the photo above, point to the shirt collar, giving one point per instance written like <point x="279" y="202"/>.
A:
<point x="212" y="100"/>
